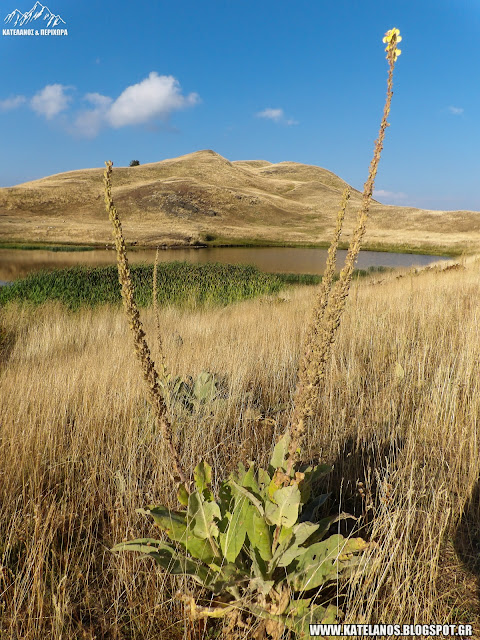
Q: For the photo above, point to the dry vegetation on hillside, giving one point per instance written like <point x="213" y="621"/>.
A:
<point x="183" y="200"/>
<point x="79" y="453"/>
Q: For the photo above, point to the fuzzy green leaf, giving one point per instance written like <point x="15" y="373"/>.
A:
<point x="182" y="495"/>
<point x="143" y="545"/>
<point x="175" y="525"/>
<point x="167" y="557"/>
<point x="204" y="516"/>
<point x="263" y="481"/>
<point x="249" y="481"/>
<point x="205" y="387"/>
<point x="259" y="533"/>
<point x="324" y="561"/>
<point x="231" y="542"/>
<point x="202" y="475"/>
<point x="255" y="501"/>
<point x="283" y="511"/>
<point x="229" y="576"/>
<point x="259" y="566"/>
<point x="301" y="532"/>
<point x="279" y="454"/>
<point x="285" y="536"/>
<point x="172" y="522"/>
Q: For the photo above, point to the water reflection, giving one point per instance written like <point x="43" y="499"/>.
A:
<point x="15" y="263"/>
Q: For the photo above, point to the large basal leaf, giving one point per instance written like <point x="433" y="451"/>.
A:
<point x="202" y="475"/>
<point x="324" y="562"/>
<point x="201" y="549"/>
<point x="203" y="515"/>
<point x="167" y="557"/>
<point x="298" y="608"/>
<point x="278" y="460"/>
<point x="283" y="511"/>
<point x="175" y="525"/>
<point x="173" y="522"/>
<point x="230" y="575"/>
<point x="143" y="545"/>
<point x="249" y="481"/>
<point x="182" y="495"/>
<point x="205" y="387"/>
<point x="237" y="489"/>
<point x="301" y="532"/>
<point x="263" y="481"/>
<point x="231" y="541"/>
<point x="259" y="533"/>
<point x="259" y="566"/>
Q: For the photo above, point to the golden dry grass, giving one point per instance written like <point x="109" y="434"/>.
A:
<point x="79" y="451"/>
<point x="182" y="200"/>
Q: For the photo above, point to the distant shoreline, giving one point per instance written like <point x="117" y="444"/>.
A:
<point x="234" y="242"/>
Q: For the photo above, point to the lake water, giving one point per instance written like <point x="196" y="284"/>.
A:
<point x="16" y="263"/>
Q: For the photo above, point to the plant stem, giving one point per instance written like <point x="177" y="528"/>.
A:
<point x="141" y="347"/>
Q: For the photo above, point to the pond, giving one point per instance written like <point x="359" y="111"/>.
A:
<point x="16" y="263"/>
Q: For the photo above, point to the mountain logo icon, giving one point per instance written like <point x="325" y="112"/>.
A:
<point x="37" y="12"/>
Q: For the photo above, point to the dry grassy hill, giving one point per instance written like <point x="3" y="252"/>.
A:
<point x="202" y="195"/>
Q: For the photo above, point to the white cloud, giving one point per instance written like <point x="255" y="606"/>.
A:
<point x="50" y="101"/>
<point x="457" y="111"/>
<point x="271" y="114"/>
<point x="276" y="115"/>
<point x="155" y="97"/>
<point x="12" y="103"/>
<point x="98" y="100"/>
<point x="390" y="197"/>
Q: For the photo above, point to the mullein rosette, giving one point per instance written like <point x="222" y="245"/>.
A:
<point x="259" y="547"/>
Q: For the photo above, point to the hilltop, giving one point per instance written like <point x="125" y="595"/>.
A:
<point x="203" y="197"/>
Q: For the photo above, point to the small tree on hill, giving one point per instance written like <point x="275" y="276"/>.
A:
<point x="134" y="163"/>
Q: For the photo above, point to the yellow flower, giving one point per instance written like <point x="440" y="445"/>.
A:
<point x="393" y="32"/>
<point x="392" y="38"/>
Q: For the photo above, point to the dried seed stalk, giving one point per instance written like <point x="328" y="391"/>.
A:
<point x="141" y="347"/>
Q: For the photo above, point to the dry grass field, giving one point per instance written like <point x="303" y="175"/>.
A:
<point x="204" y="197"/>
<point x="79" y="452"/>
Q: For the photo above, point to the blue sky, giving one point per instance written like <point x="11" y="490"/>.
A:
<point x="303" y="81"/>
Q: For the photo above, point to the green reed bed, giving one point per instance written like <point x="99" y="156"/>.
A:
<point x="179" y="283"/>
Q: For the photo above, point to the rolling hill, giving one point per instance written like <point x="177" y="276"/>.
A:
<point x="203" y="196"/>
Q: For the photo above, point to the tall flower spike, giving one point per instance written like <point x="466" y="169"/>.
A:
<point x="328" y="312"/>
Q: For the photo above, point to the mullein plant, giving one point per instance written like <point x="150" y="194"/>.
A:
<point x="258" y="546"/>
